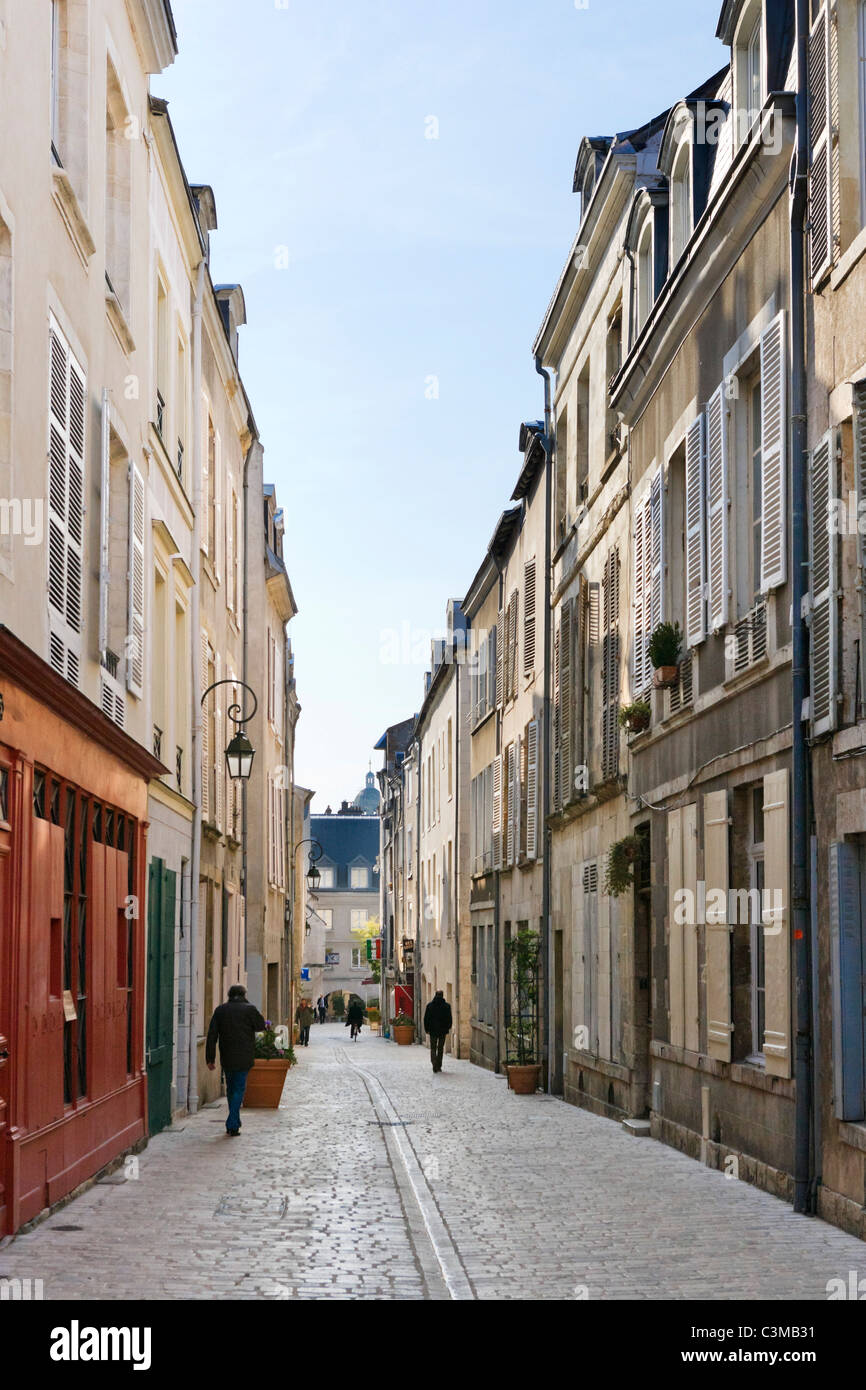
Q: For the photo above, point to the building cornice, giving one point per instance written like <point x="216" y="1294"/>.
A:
<point x="42" y="682"/>
<point x="153" y="27"/>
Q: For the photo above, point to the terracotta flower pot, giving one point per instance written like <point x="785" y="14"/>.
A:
<point x="265" y="1083"/>
<point x="403" y="1033"/>
<point x="665" y="675"/>
<point x="523" y="1080"/>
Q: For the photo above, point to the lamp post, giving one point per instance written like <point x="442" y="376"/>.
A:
<point x="312" y="874"/>
<point x="240" y="752"/>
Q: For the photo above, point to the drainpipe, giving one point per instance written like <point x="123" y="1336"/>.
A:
<point x="801" y="809"/>
<point x="498" y="974"/>
<point x="416" y="978"/>
<point x="197" y="687"/>
<point x="546" y="933"/>
<point x="455" y="773"/>
<point x="244" y="664"/>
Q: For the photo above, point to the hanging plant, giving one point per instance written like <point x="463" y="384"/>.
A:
<point x="635" y="717"/>
<point x="619" y="874"/>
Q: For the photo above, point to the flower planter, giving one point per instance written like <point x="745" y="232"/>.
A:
<point x="637" y="724"/>
<point x="664" y="676"/>
<point x="523" y="1080"/>
<point x="403" y="1033"/>
<point x="265" y="1083"/>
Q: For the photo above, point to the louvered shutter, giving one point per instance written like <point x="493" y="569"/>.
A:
<point x="820" y="174"/>
<point x="718" y="936"/>
<point x="135" y="597"/>
<point x="230" y="548"/>
<point x="509" y="805"/>
<point x="500" y="659"/>
<point x="610" y="668"/>
<point x="774" y="436"/>
<point x="532" y="789"/>
<point x="219" y="537"/>
<point x="205" y="732"/>
<point x="206" y="475"/>
<point x="497" y="812"/>
<point x="519" y="785"/>
<point x="848" y="981"/>
<point x="515" y="641"/>
<point x="557" y="721"/>
<point x="777" y="979"/>
<point x="219" y="763"/>
<point x="566" y="774"/>
<point x="683" y="1005"/>
<point x="691" y="1005"/>
<point x="695" y="554"/>
<point x="639" y="601"/>
<point x="270" y="828"/>
<point x="718" y="583"/>
<point x="492" y="669"/>
<point x="860" y="480"/>
<point x="67" y="415"/>
<point x="529" y="617"/>
<point x="656" y="554"/>
<point x="823" y="587"/>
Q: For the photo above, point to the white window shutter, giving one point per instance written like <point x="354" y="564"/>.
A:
<point x="718" y="583"/>
<point x="230" y="548"/>
<point x="270" y="828"/>
<point x="529" y="617"/>
<point x="639" y="600"/>
<point x="557" y="717"/>
<point x="777" y="965"/>
<point x="656" y="560"/>
<point x="500" y="657"/>
<point x="219" y="766"/>
<point x="509" y="805"/>
<point x="774" y="438"/>
<point x="718" y="937"/>
<point x="219" y="538"/>
<point x="823" y="587"/>
<point x="205" y="731"/>
<point x="206" y="479"/>
<point x="67" y="431"/>
<point x="135" y="606"/>
<point x="532" y="790"/>
<point x="492" y="657"/>
<point x="695" y="553"/>
<point x="515" y="640"/>
<point x="820" y="173"/>
<point x="497" y="812"/>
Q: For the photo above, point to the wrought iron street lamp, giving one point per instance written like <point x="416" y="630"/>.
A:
<point x="240" y="752"/>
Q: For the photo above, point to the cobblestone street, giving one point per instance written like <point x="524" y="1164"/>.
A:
<point x="378" y="1180"/>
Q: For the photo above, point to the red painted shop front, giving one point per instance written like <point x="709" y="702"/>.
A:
<point x="73" y="798"/>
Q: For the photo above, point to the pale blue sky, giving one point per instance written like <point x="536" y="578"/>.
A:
<point x="408" y="258"/>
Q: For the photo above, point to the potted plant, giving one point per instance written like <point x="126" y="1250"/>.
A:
<point x="338" y="1004"/>
<point x="265" y="1080"/>
<point x="664" y="653"/>
<point x="635" y="717"/>
<point x="374" y="1017"/>
<point x="403" y="1029"/>
<point x="619" y="874"/>
<point x="523" y="1068"/>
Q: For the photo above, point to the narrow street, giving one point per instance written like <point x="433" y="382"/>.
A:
<point x="378" y="1180"/>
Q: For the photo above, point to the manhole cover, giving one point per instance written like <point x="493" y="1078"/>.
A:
<point x="253" y="1206"/>
<point x="67" y="1228"/>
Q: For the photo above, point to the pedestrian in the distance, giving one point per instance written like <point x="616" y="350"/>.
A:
<point x="234" y="1026"/>
<point x="323" y="1009"/>
<point x="437" y="1025"/>
<point x="303" y="1017"/>
<point x="355" y="1018"/>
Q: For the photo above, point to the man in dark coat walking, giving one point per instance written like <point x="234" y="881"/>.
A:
<point x="234" y="1026"/>
<point x="437" y="1024"/>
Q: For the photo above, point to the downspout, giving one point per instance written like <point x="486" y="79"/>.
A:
<point x="547" y="935"/>
<point x="498" y="974"/>
<point x="197" y="687"/>
<point x="416" y="979"/>
<point x="244" y="665"/>
<point x="801" y="809"/>
<point x="455" y="773"/>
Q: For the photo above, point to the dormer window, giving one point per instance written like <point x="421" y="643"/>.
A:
<point x="681" y="200"/>
<point x="643" y="275"/>
<point x="749" y="86"/>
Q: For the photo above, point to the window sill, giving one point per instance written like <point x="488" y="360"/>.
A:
<point x="853" y="1132"/>
<point x="73" y="217"/>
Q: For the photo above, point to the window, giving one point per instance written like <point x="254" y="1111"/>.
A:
<point x="561" y="475"/>
<point x="161" y="360"/>
<point x="359" y="876"/>
<point x="180" y="408"/>
<point x="70" y="83"/>
<point x="582" y="434"/>
<point x="327" y="916"/>
<point x="748" y="69"/>
<point x="644" y="294"/>
<point x="681" y="201"/>
<point x="358" y="918"/>
<point x="357" y="961"/>
<point x="613" y="362"/>
<point x="450" y="758"/>
<point x="55" y="79"/>
<point x="118" y="191"/>
<point x="326" y="876"/>
<point x="756" y="926"/>
<point x="648" y="560"/>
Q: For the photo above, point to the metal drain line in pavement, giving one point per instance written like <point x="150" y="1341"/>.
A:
<point x="445" y="1252"/>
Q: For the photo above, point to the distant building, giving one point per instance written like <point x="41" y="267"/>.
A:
<point x="347" y="896"/>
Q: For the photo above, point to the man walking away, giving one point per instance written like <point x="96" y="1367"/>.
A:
<point x="303" y="1017"/>
<point x="234" y="1026"/>
<point x="323" y="1009"/>
<point x="437" y="1024"/>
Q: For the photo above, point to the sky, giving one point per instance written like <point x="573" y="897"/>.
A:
<point x="393" y="184"/>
